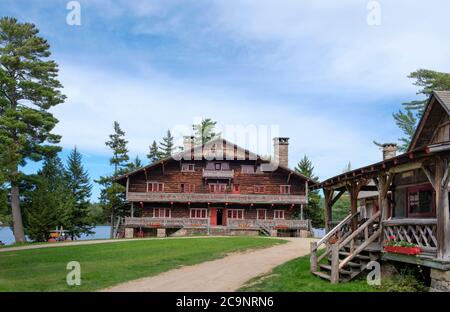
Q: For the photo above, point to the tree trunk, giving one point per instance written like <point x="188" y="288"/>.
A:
<point x="111" y="233"/>
<point x="19" y="233"/>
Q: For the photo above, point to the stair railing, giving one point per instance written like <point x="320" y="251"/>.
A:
<point x="341" y="231"/>
<point x="336" y="263"/>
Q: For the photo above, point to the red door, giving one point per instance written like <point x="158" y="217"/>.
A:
<point x="213" y="216"/>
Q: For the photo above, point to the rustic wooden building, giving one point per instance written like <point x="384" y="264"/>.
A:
<point x="410" y="206"/>
<point x="217" y="188"/>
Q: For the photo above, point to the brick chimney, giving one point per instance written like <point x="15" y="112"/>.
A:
<point x="389" y="150"/>
<point x="188" y="142"/>
<point x="281" y="151"/>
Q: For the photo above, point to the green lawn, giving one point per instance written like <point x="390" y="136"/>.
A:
<point x="295" y="276"/>
<point x="104" y="265"/>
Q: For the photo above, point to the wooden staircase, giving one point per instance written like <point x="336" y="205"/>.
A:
<point x="264" y="229"/>
<point x="347" y="252"/>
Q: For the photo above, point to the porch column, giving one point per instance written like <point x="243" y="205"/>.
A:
<point x="353" y="189"/>
<point x="441" y="180"/>
<point x="328" y="198"/>
<point x="383" y="183"/>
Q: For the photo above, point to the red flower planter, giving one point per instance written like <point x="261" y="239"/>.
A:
<point x="403" y="250"/>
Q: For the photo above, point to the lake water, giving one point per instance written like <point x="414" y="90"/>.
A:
<point x="101" y="232"/>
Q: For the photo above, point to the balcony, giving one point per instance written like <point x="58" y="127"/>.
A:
<point x="218" y="174"/>
<point x="216" y="198"/>
<point x="244" y="224"/>
<point x="166" y="222"/>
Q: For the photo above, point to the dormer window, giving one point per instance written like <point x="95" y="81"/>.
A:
<point x="187" y="167"/>
<point x="249" y="169"/>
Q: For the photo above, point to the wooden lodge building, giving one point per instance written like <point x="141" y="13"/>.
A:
<point x="217" y="188"/>
<point x="408" y="202"/>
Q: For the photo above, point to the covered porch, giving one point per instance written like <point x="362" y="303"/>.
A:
<point x="413" y="209"/>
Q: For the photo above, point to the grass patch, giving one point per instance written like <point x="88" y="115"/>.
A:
<point x="104" y="265"/>
<point x="294" y="276"/>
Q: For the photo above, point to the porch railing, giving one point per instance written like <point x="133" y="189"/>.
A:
<point x="421" y="232"/>
<point x="165" y="222"/>
<point x="274" y="224"/>
<point x="216" y="198"/>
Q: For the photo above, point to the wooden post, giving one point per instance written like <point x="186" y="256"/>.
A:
<point x="301" y="211"/>
<point x="313" y="257"/>
<point x="328" y="194"/>
<point x="132" y="209"/>
<point x="334" y="278"/>
<point x="441" y="180"/>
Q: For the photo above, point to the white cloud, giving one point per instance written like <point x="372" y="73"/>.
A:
<point x="147" y="106"/>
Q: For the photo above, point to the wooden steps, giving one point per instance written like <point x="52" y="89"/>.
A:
<point x="348" y="251"/>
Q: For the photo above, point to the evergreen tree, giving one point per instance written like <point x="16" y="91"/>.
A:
<point x="205" y="131"/>
<point x="29" y="88"/>
<point x="313" y="210"/>
<point x="347" y="168"/>
<point x="80" y="188"/>
<point x="47" y="203"/>
<point x="135" y="164"/>
<point x="407" y="118"/>
<point x="154" y="153"/>
<point x="112" y="195"/>
<point x="166" y="147"/>
<point x="118" y="144"/>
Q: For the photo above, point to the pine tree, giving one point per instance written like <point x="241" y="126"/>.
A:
<point x="29" y="88"/>
<point x="154" y="153"/>
<point x="47" y="203"/>
<point x="407" y="118"/>
<point x="112" y="195"/>
<point x="118" y="145"/>
<point x="205" y="131"/>
<point x="347" y="168"/>
<point x="80" y="188"/>
<point x="313" y="211"/>
<point x="135" y="164"/>
<point x="166" y="147"/>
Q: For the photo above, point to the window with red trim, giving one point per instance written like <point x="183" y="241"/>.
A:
<point x="261" y="214"/>
<point x="198" y="213"/>
<point x="259" y="189"/>
<point x="235" y="213"/>
<point x="236" y="189"/>
<point x="217" y="188"/>
<point x="155" y="187"/>
<point x="285" y="189"/>
<point x="187" y="188"/>
<point x="278" y="214"/>
<point x="421" y="201"/>
<point x="162" y="212"/>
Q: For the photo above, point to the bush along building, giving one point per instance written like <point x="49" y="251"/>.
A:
<point x="403" y="214"/>
<point x="217" y="188"/>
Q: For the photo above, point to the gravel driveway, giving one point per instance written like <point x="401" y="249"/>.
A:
<point x="226" y="274"/>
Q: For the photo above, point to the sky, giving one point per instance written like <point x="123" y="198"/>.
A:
<point x="327" y="74"/>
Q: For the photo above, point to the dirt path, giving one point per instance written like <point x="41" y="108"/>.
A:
<point x="226" y="274"/>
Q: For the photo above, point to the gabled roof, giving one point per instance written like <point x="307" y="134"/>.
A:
<point x="188" y="155"/>
<point x="438" y="103"/>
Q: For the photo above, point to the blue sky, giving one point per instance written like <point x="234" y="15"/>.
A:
<point x="316" y="69"/>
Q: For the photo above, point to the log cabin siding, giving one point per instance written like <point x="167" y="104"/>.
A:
<point x="172" y="177"/>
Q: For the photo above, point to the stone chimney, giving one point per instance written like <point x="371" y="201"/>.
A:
<point x="281" y="151"/>
<point x="188" y="142"/>
<point x="389" y="150"/>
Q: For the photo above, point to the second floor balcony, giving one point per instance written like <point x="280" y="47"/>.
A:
<point x="216" y="198"/>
